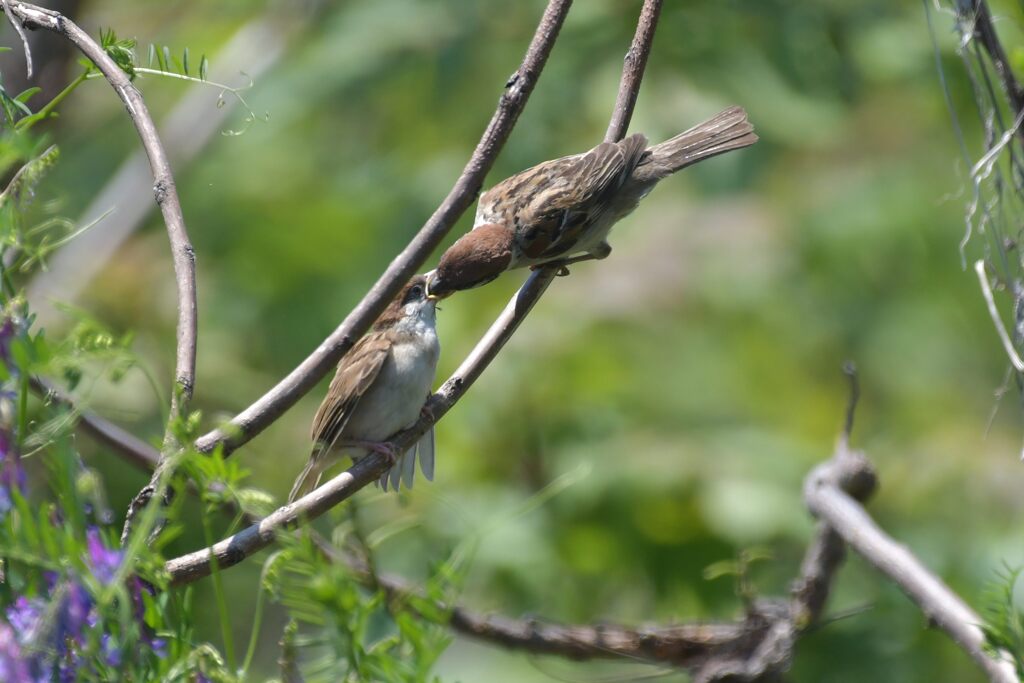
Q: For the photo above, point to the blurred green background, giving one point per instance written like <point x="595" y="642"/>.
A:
<point x="685" y="386"/>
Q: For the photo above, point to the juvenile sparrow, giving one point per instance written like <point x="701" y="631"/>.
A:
<point x="564" y="208"/>
<point x="379" y="389"/>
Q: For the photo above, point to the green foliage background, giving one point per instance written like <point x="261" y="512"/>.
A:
<point x="686" y="385"/>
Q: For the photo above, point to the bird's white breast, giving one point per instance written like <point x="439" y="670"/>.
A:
<point x="394" y="400"/>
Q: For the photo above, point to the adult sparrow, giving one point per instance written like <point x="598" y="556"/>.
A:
<point x="564" y="208"/>
<point x="379" y="389"/>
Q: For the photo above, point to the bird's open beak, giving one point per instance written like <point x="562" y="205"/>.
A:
<point x="432" y="296"/>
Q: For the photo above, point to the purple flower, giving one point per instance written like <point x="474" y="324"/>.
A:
<point x="136" y="587"/>
<point x="7" y="331"/>
<point x="12" y="474"/>
<point x="72" y="618"/>
<point x="103" y="561"/>
<point x="158" y="645"/>
<point x="13" y="666"/>
<point x="23" y="617"/>
<point x="111" y="652"/>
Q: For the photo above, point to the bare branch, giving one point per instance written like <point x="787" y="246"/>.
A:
<point x="122" y="442"/>
<point x="826" y="498"/>
<point x="506" y="324"/>
<point x="299" y="381"/>
<point x="236" y="548"/>
<point x="633" y="70"/>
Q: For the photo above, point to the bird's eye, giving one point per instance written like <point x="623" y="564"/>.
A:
<point x="415" y="292"/>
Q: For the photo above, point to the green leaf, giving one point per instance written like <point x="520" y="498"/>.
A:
<point x="24" y="95"/>
<point x="717" y="570"/>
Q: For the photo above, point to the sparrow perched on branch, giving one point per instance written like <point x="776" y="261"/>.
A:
<point x="380" y="388"/>
<point x="559" y="212"/>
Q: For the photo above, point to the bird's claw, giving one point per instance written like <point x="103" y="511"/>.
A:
<point x="385" y="449"/>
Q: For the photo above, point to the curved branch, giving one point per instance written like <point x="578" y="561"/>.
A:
<point x="299" y="381"/>
<point x="163" y="187"/>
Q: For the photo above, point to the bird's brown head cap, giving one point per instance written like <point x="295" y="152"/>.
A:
<point x="475" y="259"/>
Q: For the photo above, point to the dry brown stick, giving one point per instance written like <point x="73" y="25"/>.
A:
<point x="633" y="70"/>
<point x="826" y="498"/>
<point x="163" y="187"/>
<point x="299" y="381"/>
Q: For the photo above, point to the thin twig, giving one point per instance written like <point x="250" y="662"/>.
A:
<point x="850" y="370"/>
<point x="20" y="30"/>
<point x="299" y="381"/>
<point x="1004" y="337"/>
<point x="633" y="70"/>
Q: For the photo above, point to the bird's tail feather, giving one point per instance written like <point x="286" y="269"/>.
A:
<point x="727" y="130"/>
<point x="307" y="479"/>
<point x="405" y="469"/>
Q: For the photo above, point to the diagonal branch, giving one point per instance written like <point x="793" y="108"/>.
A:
<point x="633" y="70"/>
<point x="299" y="381"/>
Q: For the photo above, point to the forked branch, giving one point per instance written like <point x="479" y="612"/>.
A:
<point x="299" y="381"/>
<point x="236" y="548"/>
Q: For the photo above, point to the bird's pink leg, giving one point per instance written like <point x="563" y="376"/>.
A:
<point x="600" y="252"/>
<point x="385" y="448"/>
<point x="426" y="411"/>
